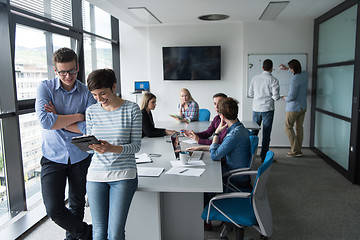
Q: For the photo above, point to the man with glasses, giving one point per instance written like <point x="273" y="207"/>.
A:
<point x="60" y="106"/>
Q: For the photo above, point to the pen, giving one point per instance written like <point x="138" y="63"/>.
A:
<point x="182" y="171"/>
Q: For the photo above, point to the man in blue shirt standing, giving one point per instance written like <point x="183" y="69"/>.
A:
<point x="295" y="107"/>
<point x="265" y="90"/>
<point x="60" y="107"/>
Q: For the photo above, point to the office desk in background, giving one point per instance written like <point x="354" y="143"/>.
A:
<point x="170" y="206"/>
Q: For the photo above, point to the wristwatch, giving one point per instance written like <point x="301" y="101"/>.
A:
<point x="216" y="134"/>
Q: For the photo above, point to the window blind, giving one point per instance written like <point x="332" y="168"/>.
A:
<point x="57" y="10"/>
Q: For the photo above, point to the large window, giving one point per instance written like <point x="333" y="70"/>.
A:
<point x="30" y="61"/>
<point x="31" y="139"/>
<point x="57" y="10"/>
<point x="97" y="54"/>
<point x="95" y="20"/>
<point x="31" y="58"/>
<point x="97" y="41"/>
<point x="3" y="190"/>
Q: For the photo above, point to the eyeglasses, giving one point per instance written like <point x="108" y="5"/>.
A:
<point x="70" y="72"/>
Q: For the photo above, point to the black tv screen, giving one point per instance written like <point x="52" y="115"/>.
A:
<point x="192" y="63"/>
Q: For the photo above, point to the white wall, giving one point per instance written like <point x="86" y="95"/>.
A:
<point x="141" y="59"/>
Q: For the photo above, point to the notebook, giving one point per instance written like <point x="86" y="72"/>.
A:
<point x="194" y="155"/>
<point x="141" y="86"/>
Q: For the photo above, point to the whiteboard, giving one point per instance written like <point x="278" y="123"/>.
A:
<point x="255" y="62"/>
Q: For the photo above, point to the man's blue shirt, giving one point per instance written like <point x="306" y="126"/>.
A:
<point x="56" y="144"/>
<point x="235" y="147"/>
<point x="296" y="99"/>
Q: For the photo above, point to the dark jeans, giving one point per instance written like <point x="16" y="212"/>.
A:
<point x="53" y="183"/>
<point x="267" y="120"/>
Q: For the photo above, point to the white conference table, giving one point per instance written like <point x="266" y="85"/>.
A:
<point x="170" y="206"/>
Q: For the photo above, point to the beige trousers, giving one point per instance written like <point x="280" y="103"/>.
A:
<point x="296" y="140"/>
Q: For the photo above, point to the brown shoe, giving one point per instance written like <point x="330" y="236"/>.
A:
<point x="294" y="154"/>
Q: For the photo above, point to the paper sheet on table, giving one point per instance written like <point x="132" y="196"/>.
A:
<point x="196" y="172"/>
<point x="142" y="158"/>
<point x="149" y="171"/>
<point x="190" y="141"/>
<point x="190" y="163"/>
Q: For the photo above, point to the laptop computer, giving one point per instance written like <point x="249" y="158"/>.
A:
<point x="194" y="155"/>
<point x="175" y="144"/>
<point x="140" y="86"/>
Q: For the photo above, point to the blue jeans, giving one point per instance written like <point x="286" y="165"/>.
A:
<point x="267" y="120"/>
<point x="109" y="207"/>
<point x="53" y="183"/>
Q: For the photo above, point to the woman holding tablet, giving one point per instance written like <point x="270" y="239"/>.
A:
<point x="188" y="109"/>
<point x="112" y="175"/>
<point x="148" y="103"/>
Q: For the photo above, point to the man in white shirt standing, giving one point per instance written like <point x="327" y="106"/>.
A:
<point x="265" y="90"/>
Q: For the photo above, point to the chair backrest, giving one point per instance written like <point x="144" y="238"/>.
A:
<point x="260" y="202"/>
<point x="204" y="114"/>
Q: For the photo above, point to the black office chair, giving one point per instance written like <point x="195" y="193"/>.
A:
<point x="245" y="209"/>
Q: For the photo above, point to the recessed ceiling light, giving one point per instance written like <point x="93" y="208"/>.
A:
<point x="273" y="9"/>
<point x="213" y="17"/>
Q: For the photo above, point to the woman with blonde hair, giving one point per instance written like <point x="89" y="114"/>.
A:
<point x="188" y="109"/>
<point x="148" y="103"/>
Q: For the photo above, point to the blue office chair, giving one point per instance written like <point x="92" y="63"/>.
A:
<point x="204" y="114"/>
<point x="254" y="142"/>
<point x="245" y="209"/>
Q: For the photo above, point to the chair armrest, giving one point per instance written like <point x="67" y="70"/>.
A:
<point x="241" y="174"/>
<point x="244" y="173"/>
<point x="231" y="195"/>
<point x="234" y="171"/>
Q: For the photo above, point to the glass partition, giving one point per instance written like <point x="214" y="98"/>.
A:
<point x="332" y="137"/>
<point x="337" y="38"/>
<point x="332" y="83"/>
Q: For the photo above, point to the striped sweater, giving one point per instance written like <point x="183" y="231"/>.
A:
<point x="119" y="127"/>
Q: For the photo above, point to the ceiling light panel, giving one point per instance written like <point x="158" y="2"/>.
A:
<point x="273" y="9"/>
<point x="144" y="15"/>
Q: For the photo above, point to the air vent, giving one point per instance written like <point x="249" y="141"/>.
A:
<point x="213" y="17"/>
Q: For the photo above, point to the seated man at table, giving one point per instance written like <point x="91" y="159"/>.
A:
<point x="235" y="147"/>
<point x="202" y="138"/>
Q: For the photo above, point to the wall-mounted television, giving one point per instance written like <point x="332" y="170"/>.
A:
<point x="192" y="63"/>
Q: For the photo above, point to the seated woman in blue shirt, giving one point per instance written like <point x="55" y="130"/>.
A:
<point x="235" y="147"/>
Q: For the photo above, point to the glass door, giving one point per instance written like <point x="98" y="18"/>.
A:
<point x="334" y="100"/>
